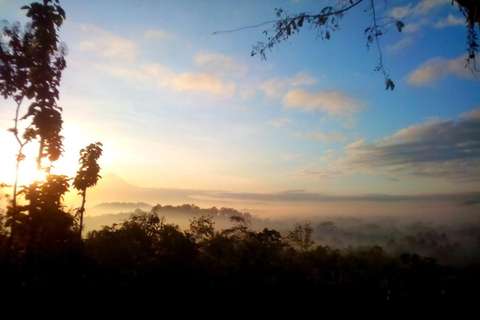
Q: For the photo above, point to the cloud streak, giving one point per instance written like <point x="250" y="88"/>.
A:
<point x="467" y="198"/>
<point x="445" y="149"/>
<point x="401" y="44"/>
<point x="280" y="122"/>
<point x="108" y="45"/>
<point x="322" y="137"/>
<point x="220" y="64"/>
<point x="450" y="21"/>
<point x="203" y="83"/>
<point x="438" y="68"/>
<point x="155" y="34"/>
<point x="276" y="87"/>
<point x="118" y="56"/>
<point x="335" y="103"/>
<point x="422" y="8"/>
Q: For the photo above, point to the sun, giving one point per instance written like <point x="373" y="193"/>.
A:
<point x="30" y="174"/>
<point x="75" y="139"/>
<point x="27" y="169"/>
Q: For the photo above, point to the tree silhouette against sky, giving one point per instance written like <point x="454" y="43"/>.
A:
<point x="327" y="21"/>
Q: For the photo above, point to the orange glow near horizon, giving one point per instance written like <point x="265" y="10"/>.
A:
<point x="27" y="171"/>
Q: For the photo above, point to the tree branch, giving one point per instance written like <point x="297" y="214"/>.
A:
<point x="306" y="16"/>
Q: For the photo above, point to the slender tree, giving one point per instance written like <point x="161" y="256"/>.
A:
<point x="31" y="65"/>
<point x="88" y="175"/>
<point x="13" y="84"/>
<point x="47" y="61"/>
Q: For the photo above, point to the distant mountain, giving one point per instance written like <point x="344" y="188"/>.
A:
<point x="111" y="179"/>
<point x="113" y="189"/>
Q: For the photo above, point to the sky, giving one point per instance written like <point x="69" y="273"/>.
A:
<point x="179" y="106"/>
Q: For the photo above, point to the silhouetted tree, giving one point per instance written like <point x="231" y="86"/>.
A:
<point x="31" y="66"/>
<point x="14" y="69"/>
<point x="269" y="239"/>
<point x="88" y="174"/>
<point x="301" y="236"/>
<point x="240" y="229"/>
<point x="44" y="245"/>
<point x="202" y="228"/>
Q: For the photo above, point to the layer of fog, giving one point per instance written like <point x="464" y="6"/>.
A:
<point x="449" y="241"/>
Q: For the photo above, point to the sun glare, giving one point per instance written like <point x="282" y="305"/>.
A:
<point x="27" y="171"/>
<point x="29" y="174"/>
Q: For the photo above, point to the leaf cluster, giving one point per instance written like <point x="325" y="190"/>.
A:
<point x="471" y="12"/>
<point x="88" y="174"/>
<point x="31" y="65"/>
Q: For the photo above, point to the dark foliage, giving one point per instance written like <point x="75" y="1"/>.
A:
<point x="146" y="260"/>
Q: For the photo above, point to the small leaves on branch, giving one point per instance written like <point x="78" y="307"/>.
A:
<point x="399" y="25"/>
<point x="389" y="83"/>
<point x="327" y="21"/>
<point x="471" y="11"/>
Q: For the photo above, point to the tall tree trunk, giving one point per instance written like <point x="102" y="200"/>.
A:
<point x="81" y="211"/>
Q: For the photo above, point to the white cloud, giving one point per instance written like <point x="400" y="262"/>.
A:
<point x="473" y="116"/>
<point x="323" y="137"/>
<point x="447" y="149"/>
<point x="329" y="156"/>
<point x="193" y="82"/>
<point x="449" y="21"/>
<point x="400" y="12"/>
<point x="276" y="87"/>
<point x="422" y="8"/>
<point x="425" y="6"/>
<point x="399" y="45"/>
<point x="107" y="45"/>
<point x="412" y="27"/>
<point x="332" y="102"/>
<point x="438" y="68"/>
<point x="279" y="122"/>
<point x="417" y="16"/>
<point x="246" y="91"/>
<point x="155" y="34"/>
<point x="293" y="156"/>
<point x="157" y="74"/>
<point x="123" y="71"/>
<point x="161" y="77"/>
<point x="219" y="63"/>
<point x="117" y="56"/>
<point x="203" y="83"/>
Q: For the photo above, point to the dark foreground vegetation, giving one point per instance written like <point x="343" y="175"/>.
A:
<point x="145" y="261"/>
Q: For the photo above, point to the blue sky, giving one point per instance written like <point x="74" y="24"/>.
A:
<point x="178" y="107"/>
